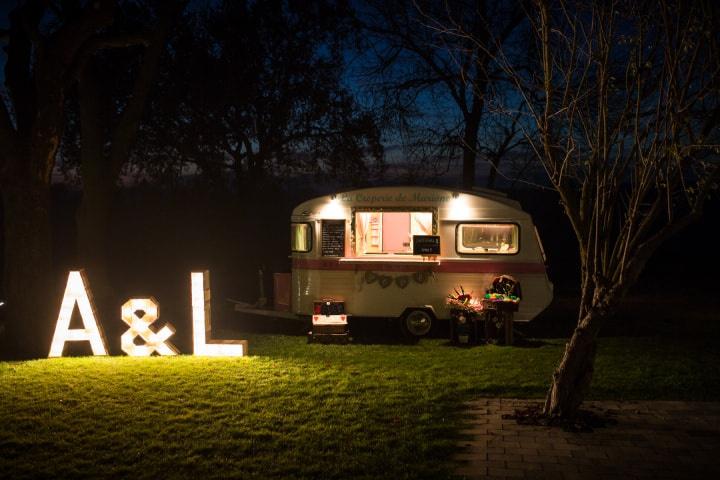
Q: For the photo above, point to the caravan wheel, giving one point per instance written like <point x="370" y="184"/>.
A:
<point x="416" y="323"/>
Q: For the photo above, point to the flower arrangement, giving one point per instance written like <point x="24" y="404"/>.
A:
<point x="464" y="301"/>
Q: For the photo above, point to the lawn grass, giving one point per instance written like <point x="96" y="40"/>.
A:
<point x="293" y="410"/>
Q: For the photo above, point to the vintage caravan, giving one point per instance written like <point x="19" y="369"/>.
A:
<point x="362" y="247"/>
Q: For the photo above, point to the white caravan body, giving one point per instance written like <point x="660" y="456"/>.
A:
<point x="356" y="247"/>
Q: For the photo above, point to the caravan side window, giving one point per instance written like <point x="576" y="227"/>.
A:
<point x="300" y="237"/>
<point x="484" y="238"/>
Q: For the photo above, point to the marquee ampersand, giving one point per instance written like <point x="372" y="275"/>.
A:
<point x="140" y="327"/>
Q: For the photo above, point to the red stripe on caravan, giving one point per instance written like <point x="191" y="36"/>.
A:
<point x="467" y="266"/>
<point x="490" y="267"/>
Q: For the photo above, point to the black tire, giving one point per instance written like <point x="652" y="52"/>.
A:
<point x="415" y="324"/>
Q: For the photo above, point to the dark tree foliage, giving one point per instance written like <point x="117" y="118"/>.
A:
<point x="438" y="88"/>
<point x="243" y="93"/>
<point x="253" y="91"/>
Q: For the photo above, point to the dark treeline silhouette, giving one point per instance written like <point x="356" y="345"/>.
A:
<point x="439" y="91"/>
<point x="240" y="94"/>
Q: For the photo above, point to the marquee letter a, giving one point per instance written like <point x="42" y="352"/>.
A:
<point x="76" y="291"/>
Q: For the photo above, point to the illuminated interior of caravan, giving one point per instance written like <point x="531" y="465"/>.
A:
<point x="499" y="238"/>
<point x="389" y="232"/>
<point x="300" y="237"/>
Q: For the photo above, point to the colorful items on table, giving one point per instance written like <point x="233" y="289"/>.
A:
<point x="501" y="297"/>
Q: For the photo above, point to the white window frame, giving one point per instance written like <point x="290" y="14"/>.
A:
<point x="462" y="250"/>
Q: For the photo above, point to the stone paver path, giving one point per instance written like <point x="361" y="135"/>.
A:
<point x="658" y="439"/>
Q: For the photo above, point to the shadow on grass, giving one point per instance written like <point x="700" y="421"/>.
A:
<point x="522" y="342"/>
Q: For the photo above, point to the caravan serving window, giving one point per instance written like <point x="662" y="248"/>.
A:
<point x="495" y="238"/>
<point x="300" y="237"/>
<point x="389" y="231"/>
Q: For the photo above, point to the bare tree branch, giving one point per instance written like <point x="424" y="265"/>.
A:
<point x="452" y="44"/>
<point x="626" y="115"/>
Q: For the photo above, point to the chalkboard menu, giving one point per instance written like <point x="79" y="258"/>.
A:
<point x="426" y="244"/>
<point x="333" y="238"/>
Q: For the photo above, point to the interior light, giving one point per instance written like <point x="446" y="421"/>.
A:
<point x="76" y="291"/>
<point x="332" y="210"/>
<point x="458" y="208"/>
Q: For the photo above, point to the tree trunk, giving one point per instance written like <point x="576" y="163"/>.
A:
<point x="93" y="222"/>
<point x="93" y="213"/>
<point x="30" y="298"/>
<point x="100" y="170"/>
<point x="571" y="380"/>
